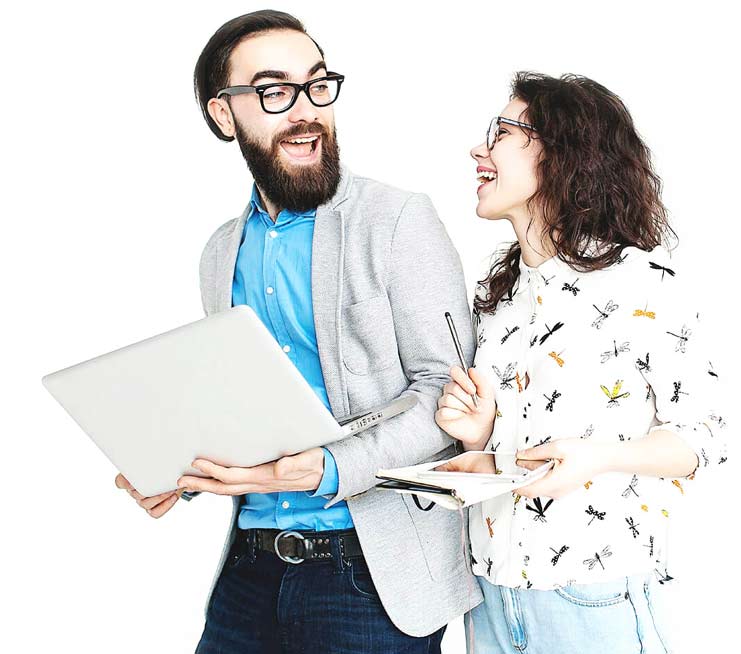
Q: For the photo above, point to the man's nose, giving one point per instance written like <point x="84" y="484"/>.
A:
<point x="303" y="110"/>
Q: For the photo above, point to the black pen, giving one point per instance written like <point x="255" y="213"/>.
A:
<point x="459" y="350"/>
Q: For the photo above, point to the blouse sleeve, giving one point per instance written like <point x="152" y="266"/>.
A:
<point x="677" y="366"/>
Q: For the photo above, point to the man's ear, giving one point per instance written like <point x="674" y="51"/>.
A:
<point x="221" y="113"/>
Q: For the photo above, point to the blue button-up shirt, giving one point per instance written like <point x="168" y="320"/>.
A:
<point x="273" y="277"/>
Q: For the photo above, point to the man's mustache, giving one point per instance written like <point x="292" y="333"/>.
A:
<point x="300" y="130"/>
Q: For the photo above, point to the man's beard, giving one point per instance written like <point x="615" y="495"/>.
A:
<point x="301" y="188"/>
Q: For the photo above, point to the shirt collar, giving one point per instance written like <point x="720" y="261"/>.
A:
<point x="543" y="273"/>
<point x="285" y="217"/>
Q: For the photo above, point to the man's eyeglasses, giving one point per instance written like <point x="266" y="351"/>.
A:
<point x="277" y="98"/>
<point x="492" y="134"/>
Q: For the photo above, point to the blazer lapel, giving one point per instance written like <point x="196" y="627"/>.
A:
<point x="226" y="258"/>
<point x="327" y="259"/>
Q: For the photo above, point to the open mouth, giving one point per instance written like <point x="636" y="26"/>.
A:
<point x="302" y="148"/>
<point x="485" y="175"/>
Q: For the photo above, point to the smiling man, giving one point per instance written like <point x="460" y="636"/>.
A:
<point x="352" y="277"/>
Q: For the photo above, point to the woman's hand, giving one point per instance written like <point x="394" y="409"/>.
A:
<point x="458" y="416"/>
<point x="577" y="461"/>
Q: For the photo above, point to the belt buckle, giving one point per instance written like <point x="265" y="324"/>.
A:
<point x="294" y="560"/>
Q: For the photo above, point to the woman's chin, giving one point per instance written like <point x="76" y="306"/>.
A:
<point x="489" y="213"/>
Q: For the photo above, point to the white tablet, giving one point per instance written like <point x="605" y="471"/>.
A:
<point x="502" y="467"/>
<point x="220" y="388"/>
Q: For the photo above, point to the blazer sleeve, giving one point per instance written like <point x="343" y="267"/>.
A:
<point x="424" y="280"/>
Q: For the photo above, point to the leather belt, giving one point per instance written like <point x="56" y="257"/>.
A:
<point x="302" y="546"/>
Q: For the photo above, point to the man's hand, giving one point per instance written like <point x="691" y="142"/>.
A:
<point x="300" y="472"/>
<point x="577" y="461"/>
<point x="157" y="505"/>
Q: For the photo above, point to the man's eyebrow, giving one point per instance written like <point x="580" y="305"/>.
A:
<point x="283" y="75"/>
<point x="319" y="65"/>
<point x="273" y="74"/>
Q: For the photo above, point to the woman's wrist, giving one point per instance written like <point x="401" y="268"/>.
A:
<point x="479" y="444"/>
<point x="659" y="454"/>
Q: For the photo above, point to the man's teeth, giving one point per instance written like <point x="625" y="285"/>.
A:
<point x="308" y="139"/>
<point x="486" y="175"/>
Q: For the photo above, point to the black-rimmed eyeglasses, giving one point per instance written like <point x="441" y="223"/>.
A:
<point x="277" y="98"/>
<point x="492" y="134"/>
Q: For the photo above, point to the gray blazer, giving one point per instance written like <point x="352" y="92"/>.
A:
<point x="383" y="274"/>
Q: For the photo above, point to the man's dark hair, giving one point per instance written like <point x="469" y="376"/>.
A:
<point x="212" y="69"/>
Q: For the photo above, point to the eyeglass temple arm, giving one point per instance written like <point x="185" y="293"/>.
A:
<point x="236" y="90"/>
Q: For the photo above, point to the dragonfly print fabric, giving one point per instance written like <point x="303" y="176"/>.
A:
<point x="609" y="355"/>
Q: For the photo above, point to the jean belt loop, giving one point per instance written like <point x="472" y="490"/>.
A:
<point x="338" y="556"/>
<point x="252" y="545"/>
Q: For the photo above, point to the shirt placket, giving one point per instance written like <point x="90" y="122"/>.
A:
<point x="518" y="536"/>
<point x="284" y="505"/>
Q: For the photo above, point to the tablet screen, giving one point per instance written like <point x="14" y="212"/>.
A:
<point x="489" y="463"/>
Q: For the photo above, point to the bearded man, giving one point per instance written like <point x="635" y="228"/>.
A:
<point x="353" y="278"/>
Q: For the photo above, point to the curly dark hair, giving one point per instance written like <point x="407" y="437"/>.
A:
<point x="595" y="180"/>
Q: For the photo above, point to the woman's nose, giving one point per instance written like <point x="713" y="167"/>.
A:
<point x="479" y="152"/>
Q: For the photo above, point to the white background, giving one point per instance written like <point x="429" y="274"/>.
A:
<point x="112" y="183"/>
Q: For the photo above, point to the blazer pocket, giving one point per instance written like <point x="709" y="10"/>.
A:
<point x="368" y="336"/>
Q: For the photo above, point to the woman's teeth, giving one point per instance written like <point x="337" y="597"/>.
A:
<point x="486" y="176"/>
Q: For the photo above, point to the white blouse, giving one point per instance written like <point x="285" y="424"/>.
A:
<point x="608" y="355"/>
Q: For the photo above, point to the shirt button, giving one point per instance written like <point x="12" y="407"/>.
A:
<point x="286" y="348"/>
<point x="273" y="233"/>
<point x="269" y="290"/>
<point x="285" y="505"/>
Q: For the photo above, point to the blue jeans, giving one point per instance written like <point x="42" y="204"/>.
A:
<point x="617" y="617"/>
<point x="263" y="605"/>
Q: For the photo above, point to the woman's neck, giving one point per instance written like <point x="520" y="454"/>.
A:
<point x="535" y="247"/>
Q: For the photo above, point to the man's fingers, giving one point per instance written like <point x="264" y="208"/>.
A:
<point x="160" y="509"/>
<point x="214" y="486"/>
<point x="122" y="482"/>
<point x="236" y="475"/>
<point x="151" y="502"/>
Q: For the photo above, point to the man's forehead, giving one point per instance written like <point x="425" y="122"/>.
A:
<point x="287" y="51"/>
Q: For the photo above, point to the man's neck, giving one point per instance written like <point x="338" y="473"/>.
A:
<point x="272" y="209"/>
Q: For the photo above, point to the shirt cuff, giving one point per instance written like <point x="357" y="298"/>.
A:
<point x="330" y="482"/>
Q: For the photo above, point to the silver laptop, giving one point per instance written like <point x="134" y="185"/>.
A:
<point x="220" y="388"/>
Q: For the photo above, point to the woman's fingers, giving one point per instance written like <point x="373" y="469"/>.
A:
<point x="457" y="398"/>
<point x="484" y="387"/>
<point x="459" y="376"/>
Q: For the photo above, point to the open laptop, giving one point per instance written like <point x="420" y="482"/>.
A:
<point x="220" y="388"/>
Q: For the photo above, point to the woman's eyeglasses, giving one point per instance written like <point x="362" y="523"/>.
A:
<point x="492" y="134"/>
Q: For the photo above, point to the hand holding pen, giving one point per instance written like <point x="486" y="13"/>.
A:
<point x="458" y="349"/>
<point x="467" y="407"/>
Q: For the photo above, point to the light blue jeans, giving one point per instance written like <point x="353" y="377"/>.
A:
<point x="617" y="617"/>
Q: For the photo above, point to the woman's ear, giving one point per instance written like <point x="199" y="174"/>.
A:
<point x="221" y="114"/>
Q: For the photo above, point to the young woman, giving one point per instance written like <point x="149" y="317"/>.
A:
<point x="589" y="353"/>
